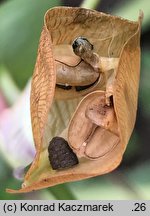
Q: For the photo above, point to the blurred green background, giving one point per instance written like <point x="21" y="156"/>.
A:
<point x="20" y="26"/>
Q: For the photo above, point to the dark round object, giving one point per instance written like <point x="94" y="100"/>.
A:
<point x="60" y="154"/>
<point x="81" y="45"/>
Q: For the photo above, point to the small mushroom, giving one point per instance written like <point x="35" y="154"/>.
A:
<point x="84" y="49"/>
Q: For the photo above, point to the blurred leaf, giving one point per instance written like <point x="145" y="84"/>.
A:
<point x="20" y="26"/>
<point x="132" y="147"/>
<point x="130" y="10"/>
<point x="62" y="192"/>
<point x="144" y="94"/>
<point x="100" y="188"/>
<point x="8" y="87"/>
<point x="46" y="195"/>
<point x="90" y="4"/>
<point x="140" y="178"/>
<point x="7" y="180"/>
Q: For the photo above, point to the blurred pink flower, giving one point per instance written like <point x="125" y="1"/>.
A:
<point x="16" y="141"/>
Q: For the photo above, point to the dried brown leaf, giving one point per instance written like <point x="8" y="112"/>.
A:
<point x="102" y="123"/>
